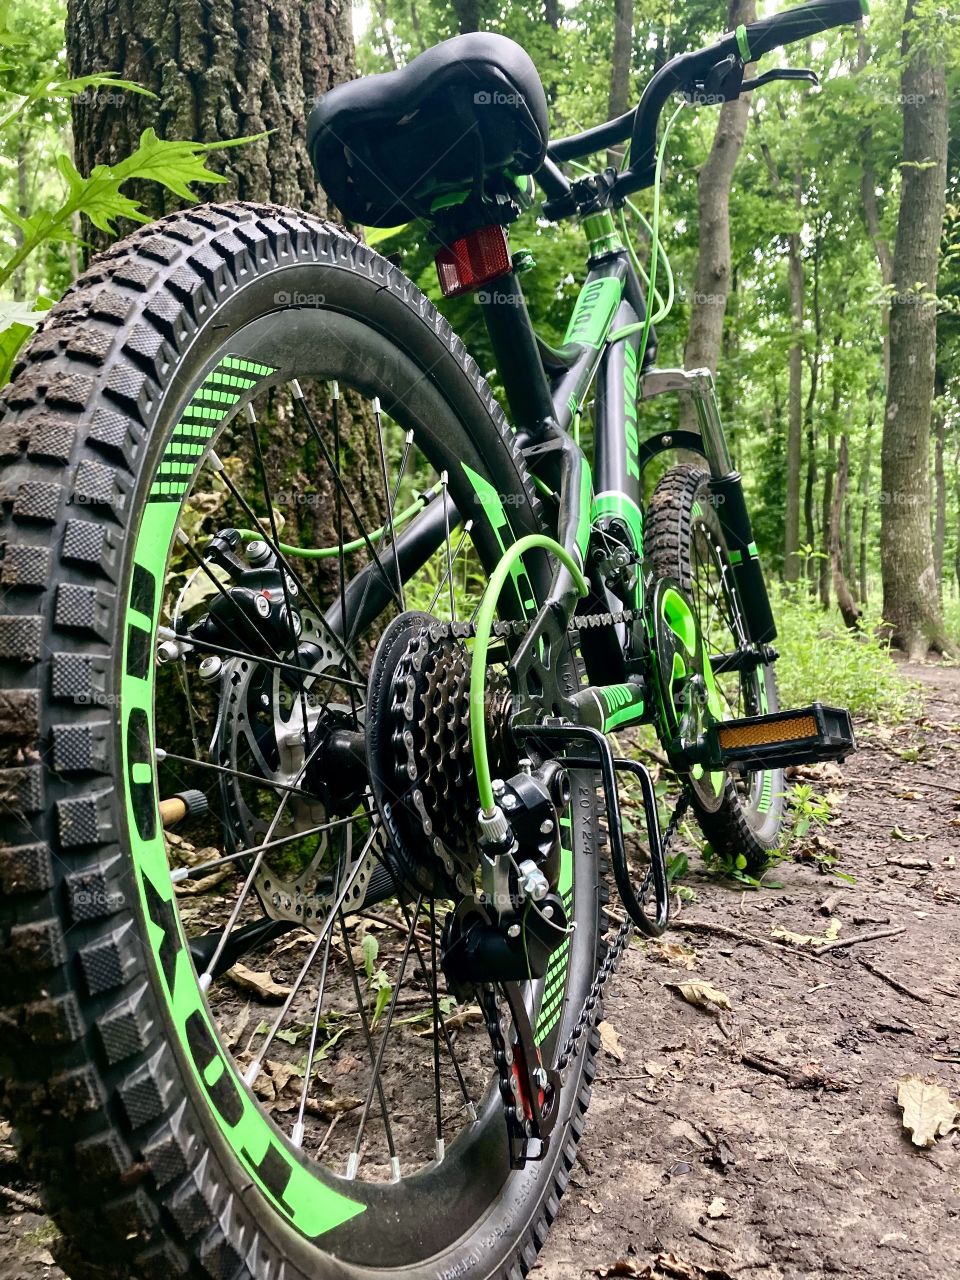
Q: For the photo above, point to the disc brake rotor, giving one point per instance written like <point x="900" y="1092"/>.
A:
<point x="261" y="731"/>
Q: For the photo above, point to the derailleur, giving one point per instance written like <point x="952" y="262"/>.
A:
<point x="509" y="931"/>
<point x="506" y="935"/>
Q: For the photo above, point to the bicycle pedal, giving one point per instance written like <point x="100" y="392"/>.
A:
<point x="799" y="736"/>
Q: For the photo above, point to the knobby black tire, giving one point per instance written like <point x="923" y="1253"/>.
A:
<point x="679" y="501"/>
<point x="129" y="1165"/>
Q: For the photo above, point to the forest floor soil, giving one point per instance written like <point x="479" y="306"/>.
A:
<point x="764" y="1140"/>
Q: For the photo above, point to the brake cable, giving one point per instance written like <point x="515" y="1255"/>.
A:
<point x="643" y="326"/>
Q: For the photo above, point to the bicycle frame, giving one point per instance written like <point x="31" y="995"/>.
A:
<point x="546" y="390"/>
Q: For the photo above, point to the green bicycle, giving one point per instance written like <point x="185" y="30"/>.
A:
<point x="310" y="660"/>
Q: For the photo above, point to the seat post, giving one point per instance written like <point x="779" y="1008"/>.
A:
<point x="518" y="357"/>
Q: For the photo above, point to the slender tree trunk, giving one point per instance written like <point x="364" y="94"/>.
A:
<point x="871" y="214"/>
<point x="849" y="610"/>
<point x="865" y="467"/>
<point x="415" y="24"/>
<point x="218" y="73"/>
<point x="910" y="602"/>
<point x="468" y="14"/>
<point x="618" y="99"/>
<point x="384" y="18"/>
<point x="849" y="566"/>
<point x="939" y="481"/>
<point x="826" y="508"/>
<point x="791" y="562"/>
<point x="712" y="281"/>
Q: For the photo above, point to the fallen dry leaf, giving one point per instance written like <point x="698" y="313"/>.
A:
<point x="675" y="953"/>
<point x="610" y="1041"/>
<point x="830" y="934"/>
<point x="928" y="1110"/>
<point x="717" y="1207"/>
<point x="898" y="834"/>
<point x="703" y="995"/>
<point x="259" y="984"/>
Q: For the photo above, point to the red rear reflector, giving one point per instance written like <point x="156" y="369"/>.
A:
<point x="473" y="260"/>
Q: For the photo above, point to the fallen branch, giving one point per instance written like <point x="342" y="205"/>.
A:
<point x="873" y="936"/>
<point x="738" y="935"/>
<point x="21" y="1199"/>
<point x="893" y="982"/>
<point x="793" y="1079"/>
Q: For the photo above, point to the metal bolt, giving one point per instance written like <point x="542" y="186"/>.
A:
<point x="513" y="931"/>
<point x="258" y="552"/>
<point x="546" y="826"/>
<point x="509" y="801"/>
<point x="539" y="1077"/>
<point x="169" y="651"/>
<point x="262" y="605"/>
<point x="210" y="667"/>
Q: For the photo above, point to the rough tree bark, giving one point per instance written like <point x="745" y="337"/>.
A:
<point x="712" y="282"/>
<point x="910" y="603"/>
<point x="791" y="557"/>
<point x="219" y="72"/>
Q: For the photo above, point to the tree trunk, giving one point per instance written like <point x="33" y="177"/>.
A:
<point x="712" y="281"/>
<point x="219" y="76"/>
<point x="849" y="609"/>
<point x="218" y="73"/>
<point x="619" y="98"/>
<point x="871" y="214"/>
<point x="940" y="486"/>
<point x="910" y="603"/>
<point x="384" y="18"/>
<point x="467" y="11"/>
<point x="826" y="510"/>
<point x="865" y="466"/>
<point x="791" y="560"/>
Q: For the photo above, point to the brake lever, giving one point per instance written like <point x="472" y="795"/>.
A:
<point x="781" y="73"/>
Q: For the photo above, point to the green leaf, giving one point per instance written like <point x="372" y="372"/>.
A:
<point x="371" y="949"/>
<point x="12" y="338"/>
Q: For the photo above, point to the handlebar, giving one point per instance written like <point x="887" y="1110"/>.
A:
<point x="746" y="44"/>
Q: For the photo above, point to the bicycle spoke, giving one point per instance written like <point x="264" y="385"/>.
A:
<point x="253" y="1070"/>
<point x="354" y="1161"/>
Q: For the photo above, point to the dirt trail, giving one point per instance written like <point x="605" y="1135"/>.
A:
<point x="698" y="1150"/>
<point x="815" y="1174"/>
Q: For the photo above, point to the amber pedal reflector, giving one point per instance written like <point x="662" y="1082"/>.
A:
<point x="790" y="729"/>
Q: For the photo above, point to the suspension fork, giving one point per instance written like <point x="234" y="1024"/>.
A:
<point x="726" y="489"/>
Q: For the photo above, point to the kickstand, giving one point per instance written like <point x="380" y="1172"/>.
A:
<point x="608" y="766"/>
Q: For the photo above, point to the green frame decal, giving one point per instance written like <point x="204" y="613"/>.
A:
<point x="308" y="1204"/>
<point x="593" y="312"/>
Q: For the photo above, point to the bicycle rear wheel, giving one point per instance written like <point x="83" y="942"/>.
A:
<point x="223" y="451"/>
